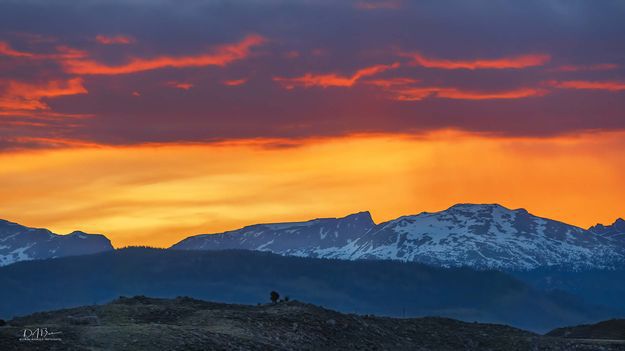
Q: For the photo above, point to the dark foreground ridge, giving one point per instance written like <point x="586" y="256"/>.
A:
<point x="613" y="329"/>
<point x="142" y="323"/>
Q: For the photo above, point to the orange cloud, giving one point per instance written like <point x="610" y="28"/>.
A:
<point x="26" y="96"/>
<point x="112" y="40"/>
<point x="589" y="85"/>
<point x="515" y="62"/>
<point x="332" y="79"/>
<point x="54" y="142"/>
<point x="420" y="93"/>
<point x="235" y="82"/>
<point x="221" y="56"/>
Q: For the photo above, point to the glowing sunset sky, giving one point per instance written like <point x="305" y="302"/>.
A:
<point x="150" y="121"/>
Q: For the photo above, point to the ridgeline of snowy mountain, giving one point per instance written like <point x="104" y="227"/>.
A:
<point x="614" y="231"/>
<point x="20" y="243"/>
<point x="487" y="236"/>
<point x="322" y="237"/>
<point x="479" y="236"/>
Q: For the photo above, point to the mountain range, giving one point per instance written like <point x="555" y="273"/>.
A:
<point x="482" y="236"/>
<point x="487" y="236"/>
<point x="20" y="243"/>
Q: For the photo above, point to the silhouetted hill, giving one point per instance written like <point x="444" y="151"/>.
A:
<point x="366" y="287"/>
<point x="594" y="286"/>
<point x="613" y="329"/>
<point x="143" y="323"/>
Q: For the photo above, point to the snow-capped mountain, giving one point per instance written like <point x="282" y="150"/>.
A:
<point x="322" y="237"/>
<point x="486" y="236"/>
<point x="20" y="243"/>
<point x="614" y="231"/>
<point x="479" y="236"/>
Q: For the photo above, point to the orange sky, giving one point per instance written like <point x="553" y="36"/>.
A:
<point x="157" y="195"/>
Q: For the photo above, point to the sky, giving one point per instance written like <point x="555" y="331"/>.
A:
<point x="150" y="121"/>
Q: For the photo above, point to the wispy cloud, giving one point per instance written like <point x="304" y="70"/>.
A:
<point x="220" y="56"/>
<point x="7" y="50"/>
<point x="594" y="67"/>
<point x="235" y="82"/>
<point x="116" y="39"/>
<point x="180" y="85"/>
<point x="512" y="62"/>
<point x="420" y="93"/>
<point x="589" y="85"/>
<point x="26" y="96"/>
<point x="332" y="79"/>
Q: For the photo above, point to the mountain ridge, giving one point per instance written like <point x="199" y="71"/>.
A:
<point x="615" y="231"/>
<point x="488" y="236"/>
<point x="483" y="236"/>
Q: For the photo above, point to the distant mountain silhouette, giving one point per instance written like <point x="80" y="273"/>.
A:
<point x="368" y="287"/>
<point x="20" y="243"/>
<point x="480" y="236"/>
<point x="613" y="329"/>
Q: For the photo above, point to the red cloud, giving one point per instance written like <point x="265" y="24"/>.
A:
<point x="516" y="62"/>
<point x="332" y="80"/>
<point x="235" y="82"/>
<point x="25" y="96"/>
<point x="111" y="40"/>
<point x="595" y="67"/>
<point x="589" y="85"/>
<point x="392" y="82"/>
<point x="420" y="93"/>
<point x="63" y="52"/>
<point x="221" y="56"/>
<point x="180" y="85"/>
<point x="6" y="50"/>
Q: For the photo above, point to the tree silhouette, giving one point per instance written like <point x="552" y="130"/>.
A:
<point x="274" y="296"/>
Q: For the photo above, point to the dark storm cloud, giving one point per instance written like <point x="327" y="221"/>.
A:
<point x="170" y="71"/>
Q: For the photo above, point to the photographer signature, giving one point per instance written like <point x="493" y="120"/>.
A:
<point x="40" y="334"/>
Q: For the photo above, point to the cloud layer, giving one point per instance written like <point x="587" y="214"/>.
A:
<point x="166" y="72"/>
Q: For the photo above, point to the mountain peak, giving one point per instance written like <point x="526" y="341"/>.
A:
<point x="360" y="216"/>
<point x="21" y="243"/>
<point x="469" y="206"/>
<point x="614" y="230"/>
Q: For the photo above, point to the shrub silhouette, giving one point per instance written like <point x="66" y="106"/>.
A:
<point x="274" y="296"/>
